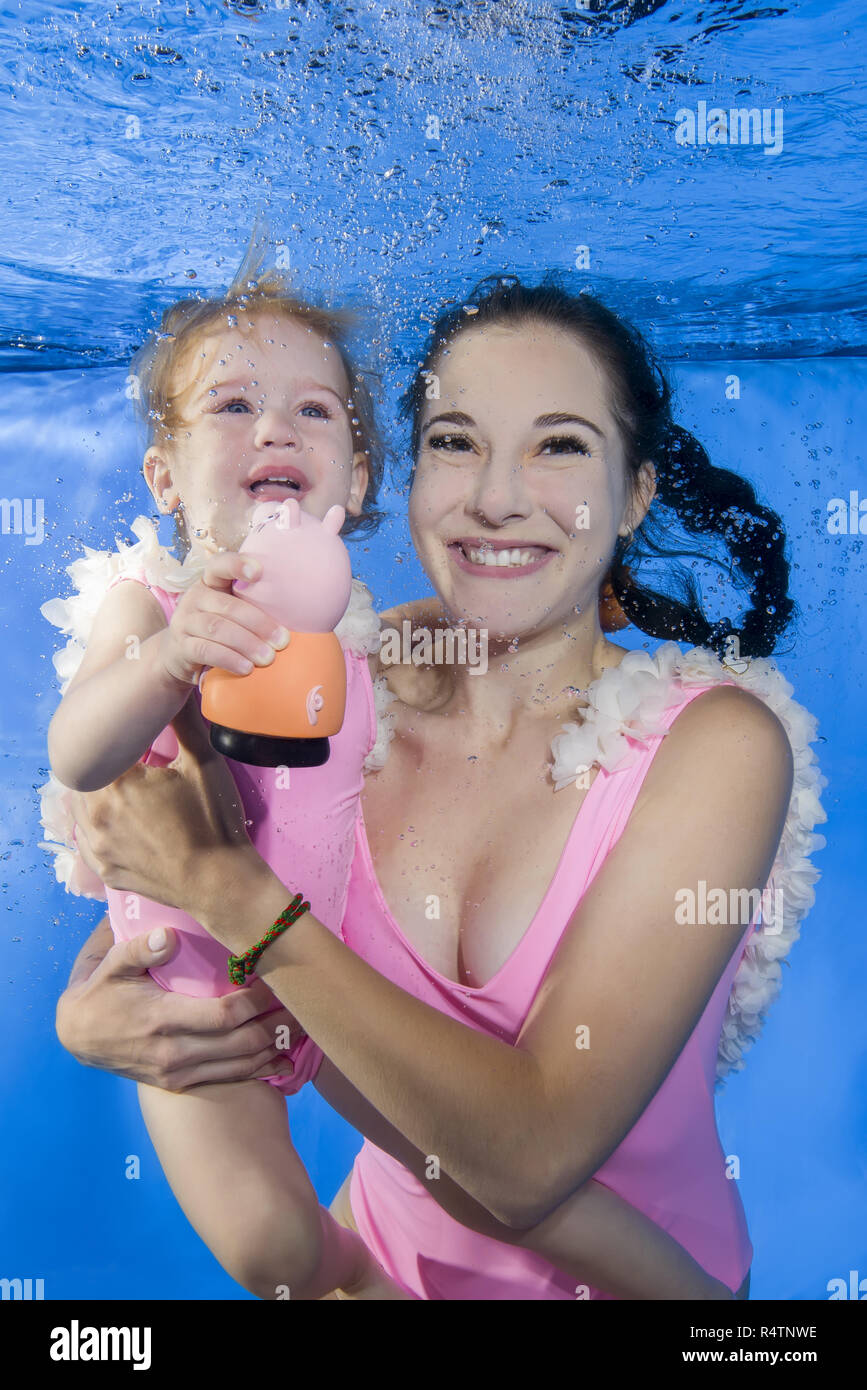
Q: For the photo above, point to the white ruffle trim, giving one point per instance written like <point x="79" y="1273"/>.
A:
<point x="358" y="631"/>
<point x="382" y="698"/>
<point x="623" y="710"/>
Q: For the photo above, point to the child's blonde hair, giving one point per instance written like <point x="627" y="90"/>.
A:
<point x="155" y="365"/>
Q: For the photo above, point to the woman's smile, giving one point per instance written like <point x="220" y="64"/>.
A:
<point x="498" y="559"/>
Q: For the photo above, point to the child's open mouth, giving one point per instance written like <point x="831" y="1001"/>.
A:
<point x="276" y="484"/>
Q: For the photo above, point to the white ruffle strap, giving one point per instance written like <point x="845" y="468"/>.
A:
<point x="92" y="575"/>
<point x="622" y="714"/>
<point x="382" y="699"/>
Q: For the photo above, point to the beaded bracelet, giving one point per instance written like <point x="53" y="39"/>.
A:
<point x="242" y="966"/>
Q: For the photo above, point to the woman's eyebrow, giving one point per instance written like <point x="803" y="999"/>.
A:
<point x="544" y="422"/>
<point x="450" y="417"/>
<point x="557" y="417"/>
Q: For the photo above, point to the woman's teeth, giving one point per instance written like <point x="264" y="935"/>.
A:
<point x="501" y="558"/>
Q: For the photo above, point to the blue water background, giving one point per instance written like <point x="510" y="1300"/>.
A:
<point x="555" y="132"/>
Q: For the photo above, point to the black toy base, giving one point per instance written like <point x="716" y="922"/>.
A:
<point x="261" y="751"/>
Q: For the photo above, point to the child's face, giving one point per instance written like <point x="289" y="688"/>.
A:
<point x="263" y="415"/>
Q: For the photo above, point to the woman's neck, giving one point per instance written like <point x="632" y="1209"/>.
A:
<point x="543" y="677"/>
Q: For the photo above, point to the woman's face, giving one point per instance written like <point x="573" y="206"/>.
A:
<point x="520" y="488"/>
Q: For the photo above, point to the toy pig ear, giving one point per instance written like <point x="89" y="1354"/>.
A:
<point x="267" y="511"/>
<point x="334" y="519"/>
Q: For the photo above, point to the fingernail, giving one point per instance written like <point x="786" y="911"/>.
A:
<point x="157" y="939"/>
<point x="265" y="656"/>
<point x="280" y="638"/>
<point x="251" y="571"/>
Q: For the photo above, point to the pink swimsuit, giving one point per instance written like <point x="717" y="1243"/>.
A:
<point x="303" y="831"/>
<point x="670" y="1165"/>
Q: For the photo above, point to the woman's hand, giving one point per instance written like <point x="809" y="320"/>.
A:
<point x="213" y="626"/>
<point x="161" y="832"/>
<point x="114" y="1016"/>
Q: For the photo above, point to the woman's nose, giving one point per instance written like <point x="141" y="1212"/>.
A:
<point x="501" y="491"/>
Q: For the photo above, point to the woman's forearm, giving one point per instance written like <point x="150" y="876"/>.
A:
<point x="595" y="1235"/>
<point x="106" y="723"/>
<point x="606" y="1243"/>
<point x="456" y="1093"/>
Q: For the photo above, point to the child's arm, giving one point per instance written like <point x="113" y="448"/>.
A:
<point x="115" y="704"/>
<point x="137" y="672"/>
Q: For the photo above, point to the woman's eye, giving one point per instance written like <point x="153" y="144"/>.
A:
<point x="565" y="444"/>
<point x="451" y="442"/>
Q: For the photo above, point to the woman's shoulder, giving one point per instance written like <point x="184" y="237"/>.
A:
<point x="724" y="735"/>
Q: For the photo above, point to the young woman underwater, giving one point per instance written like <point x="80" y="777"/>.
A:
<point x="557" y="1021"/>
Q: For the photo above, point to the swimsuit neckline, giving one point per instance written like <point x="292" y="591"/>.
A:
<point x="475" y="990"/>
<point x="594" y="729"/>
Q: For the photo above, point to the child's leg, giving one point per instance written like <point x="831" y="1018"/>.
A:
<point x="227" y="1153"/>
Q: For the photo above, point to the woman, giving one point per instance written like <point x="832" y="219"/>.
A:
<point x="523" y="1059"/>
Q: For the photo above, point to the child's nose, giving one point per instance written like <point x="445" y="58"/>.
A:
<point x="276" y="428"/>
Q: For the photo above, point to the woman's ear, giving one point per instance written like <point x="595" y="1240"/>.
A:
<point x="360" y="480"/>
<point x="158" y="476"/>
<point x="643" y="493"/>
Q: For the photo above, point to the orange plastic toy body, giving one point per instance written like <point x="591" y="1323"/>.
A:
<point x="278" y="701"/>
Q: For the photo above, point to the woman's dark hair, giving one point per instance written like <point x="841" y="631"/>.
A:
<point x="703" y="499"/>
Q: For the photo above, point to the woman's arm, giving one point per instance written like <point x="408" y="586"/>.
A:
<point x="113" y="1015"/>
<point x="519" y="1128"/>
<point x="596" y="1236"/>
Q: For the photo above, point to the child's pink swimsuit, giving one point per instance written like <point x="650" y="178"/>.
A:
<point x="303" y="830"/>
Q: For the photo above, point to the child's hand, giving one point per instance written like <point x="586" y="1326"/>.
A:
<point x="212" y="626"/>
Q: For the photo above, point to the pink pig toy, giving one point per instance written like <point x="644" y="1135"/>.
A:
<point x="283" y="714"/>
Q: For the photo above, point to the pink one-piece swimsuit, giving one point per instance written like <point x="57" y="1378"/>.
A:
<point x="303" y="827"/>
<point x="670" y="1165"/>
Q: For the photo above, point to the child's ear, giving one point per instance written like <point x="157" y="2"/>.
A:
<point x="158" y="476"/>
<point x="360" y="480"/>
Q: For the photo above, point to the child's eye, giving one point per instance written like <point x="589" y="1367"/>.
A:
<point x="321" y="411"/>
<point x="450" y="442"/>
<point x="229" y="407"/>
<point x="565" y="444"/>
